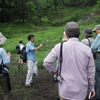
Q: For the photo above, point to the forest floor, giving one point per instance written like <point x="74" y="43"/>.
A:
<point x="44" y="89"/>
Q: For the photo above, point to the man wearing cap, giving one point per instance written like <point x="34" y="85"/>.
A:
<point x="95" y="47"/>
<point x="88" y="39"/>
<point x="4" y="60"/>
<point x="77" y="67"/>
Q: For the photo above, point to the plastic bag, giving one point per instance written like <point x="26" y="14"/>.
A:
<point x="35" y="69"/>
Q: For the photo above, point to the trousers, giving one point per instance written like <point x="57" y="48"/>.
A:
<point x="98" y="76"/>
<point x="4" y="85"/>
<point x="31" y="67"/>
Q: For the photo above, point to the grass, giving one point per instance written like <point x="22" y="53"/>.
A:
<point x="49" y="36"/>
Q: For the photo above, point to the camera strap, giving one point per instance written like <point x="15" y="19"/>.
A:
<point x="60" y="59"/>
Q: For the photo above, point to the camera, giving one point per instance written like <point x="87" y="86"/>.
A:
<point x="57" y="79"/>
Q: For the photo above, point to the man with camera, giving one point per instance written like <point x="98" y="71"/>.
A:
<point x="76" y="71"/>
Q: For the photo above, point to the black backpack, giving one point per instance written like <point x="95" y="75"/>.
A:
<point x="23" y="54"/>
<point x="18" y="49"/>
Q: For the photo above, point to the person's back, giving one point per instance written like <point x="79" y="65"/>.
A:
<point x="88" y="41"/>
<point x="77" y="68"/>
<point x="20" y="62"/>
<point x="4" y="75"/>
<point x="21" y="44"/>
<point x="74" y="69"/>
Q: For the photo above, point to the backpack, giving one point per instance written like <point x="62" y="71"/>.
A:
<point x="18" y="49"/>
<point x="23" y="54"/>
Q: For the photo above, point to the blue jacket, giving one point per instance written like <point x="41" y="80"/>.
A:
<point x="4" y="59"/>
<point x="30" y="51"/>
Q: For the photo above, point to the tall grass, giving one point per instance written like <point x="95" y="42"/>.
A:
<point x="49" y="37"/>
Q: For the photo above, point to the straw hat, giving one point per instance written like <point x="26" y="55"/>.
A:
<point x="2" y="39"/>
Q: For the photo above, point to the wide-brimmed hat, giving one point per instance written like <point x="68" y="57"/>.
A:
<point x="2" y="39"/>
<point x="87" y="31"/>
<point x="72" y="27"/>
<point x="96" y="27"/>
<point x="64" y="37"/>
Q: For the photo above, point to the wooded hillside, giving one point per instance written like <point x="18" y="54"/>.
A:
<point x="44" y="11"/>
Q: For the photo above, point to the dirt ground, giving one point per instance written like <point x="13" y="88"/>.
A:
<point x="44" y="89"/>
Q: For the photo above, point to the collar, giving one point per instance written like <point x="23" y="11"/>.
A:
<point x="30" y="42"/>
<point x="73" y="39"/>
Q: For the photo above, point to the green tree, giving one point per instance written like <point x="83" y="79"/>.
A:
<point x="24" y="10"/>
<point x="98" y="4"/>
<point x="5" y="11"/>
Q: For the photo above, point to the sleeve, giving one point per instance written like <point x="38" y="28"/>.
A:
<point x="50" y="59"/>
<point x="91" y="73"/>
<point x="29" y="47"/>
<point x="5" y="58"/>
<point x="95" y="44"/>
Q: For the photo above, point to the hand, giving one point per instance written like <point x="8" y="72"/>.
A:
<point x="40" y="45"/>
<point x="93" y="94"/>
<point x="9" y="55"/>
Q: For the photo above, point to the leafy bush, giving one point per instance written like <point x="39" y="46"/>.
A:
<point x="68" y="14"/>
<point x="45" y="20"/>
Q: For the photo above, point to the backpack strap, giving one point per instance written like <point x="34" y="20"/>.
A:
<point x="1" y="63"/>
<point x="89" y="42"/>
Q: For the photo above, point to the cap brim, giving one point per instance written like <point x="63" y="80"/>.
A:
<point x="93" y="30"/>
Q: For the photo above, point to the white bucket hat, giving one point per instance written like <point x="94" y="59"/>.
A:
<point x="2" y="39"/>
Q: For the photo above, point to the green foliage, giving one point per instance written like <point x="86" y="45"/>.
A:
<point x="68" y="14"/>
<point x="98" y="4"/>
<point x="16" y="29"/>
<point x="19" y="11"/>
<point x="45" y="20"/>
<point x="48" y="36"/>
<point x="24" y="11"/>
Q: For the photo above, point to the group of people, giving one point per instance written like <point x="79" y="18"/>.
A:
<point x="77" y="69"/>
<point x="5" y="59"/>
<point x="31" y="59"/>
